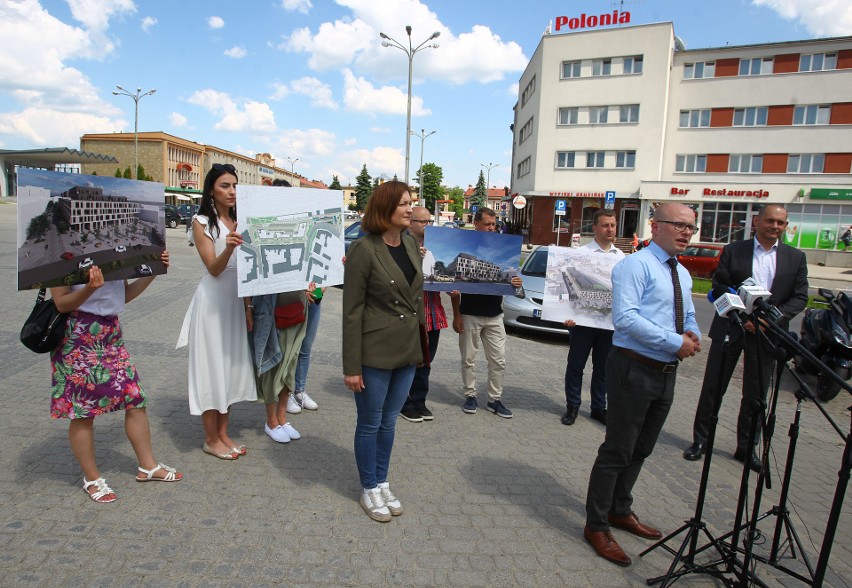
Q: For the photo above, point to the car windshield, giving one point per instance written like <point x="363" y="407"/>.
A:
<point x="536" y="265"/>
<point x="352" y="231"/>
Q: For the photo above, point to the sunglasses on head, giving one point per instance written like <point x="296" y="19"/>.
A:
<point x="227" y="167"/>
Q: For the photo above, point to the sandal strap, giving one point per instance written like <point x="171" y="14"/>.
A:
<point x="149" y="474"/>
<point x="102" y="486"/>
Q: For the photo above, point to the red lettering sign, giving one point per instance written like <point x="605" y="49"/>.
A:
<point x="585" y="21"/>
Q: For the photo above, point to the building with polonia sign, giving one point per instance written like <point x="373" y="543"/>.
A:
<point x="725" y="130"/>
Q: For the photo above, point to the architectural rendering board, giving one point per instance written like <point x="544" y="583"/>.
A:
<point x="472" y="262"/>
<point x="69" y="222"/>
<point x="578" y="286"/>
<point x="291" y="237"/>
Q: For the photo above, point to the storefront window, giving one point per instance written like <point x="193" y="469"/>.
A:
<point x="723" y="222"/>
<point x="586" y="223"/>
<point x="562" y="223"/>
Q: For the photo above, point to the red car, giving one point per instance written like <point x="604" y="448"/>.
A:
<point x="67" y="255"/>
<point x="701" y="259"/>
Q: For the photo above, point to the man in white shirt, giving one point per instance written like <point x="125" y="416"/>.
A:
<point x="585" y="340"/>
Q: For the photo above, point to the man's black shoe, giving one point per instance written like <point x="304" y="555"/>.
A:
<point x="694" y="452"/>
<point x="425" y="413"/>
<point x="411" y="414"/>
<point x="599" y="414"/>
<point x="754" y="462"/>
<point x="570" y="415"/>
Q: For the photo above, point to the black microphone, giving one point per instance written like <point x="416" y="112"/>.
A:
<point x="722" y="284"/>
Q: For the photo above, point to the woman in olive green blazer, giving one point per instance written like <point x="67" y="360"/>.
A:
<point x="382" y="312"/>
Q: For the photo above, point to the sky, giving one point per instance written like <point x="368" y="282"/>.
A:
<point x="309" y="80"/>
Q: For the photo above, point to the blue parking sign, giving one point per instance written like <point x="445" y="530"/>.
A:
<point x="474" y="208"/>
<point x="561" y="205"/>
<point x="609" y="202"/>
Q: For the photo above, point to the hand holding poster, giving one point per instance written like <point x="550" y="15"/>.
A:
<point x="578" y="286"/>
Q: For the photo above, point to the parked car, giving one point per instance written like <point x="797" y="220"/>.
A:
<point x="525" y="313"/>
<point x="86" y="263"/>
<point x="701" y="259"/>
<point x="121" y="249"/>
<point x="350" y="214"/>
<point x="351" y="233"/>
<point x="186" y="211"/>
<point x="173" y="216"/>
<point x="144" y="270"/>
<point x="67" y="255"/>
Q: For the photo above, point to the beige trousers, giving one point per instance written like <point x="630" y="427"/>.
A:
<point x="491" y="332"/>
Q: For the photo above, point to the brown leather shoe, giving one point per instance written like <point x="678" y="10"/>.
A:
<point x="606" y="546"/>
<point x="631" y="524"/>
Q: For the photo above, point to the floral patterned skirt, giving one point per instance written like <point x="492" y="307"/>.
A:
<point x="92" y="371"/>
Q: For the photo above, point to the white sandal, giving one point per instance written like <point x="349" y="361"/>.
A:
<point x="149" y="474"/>
<point x="103" y="490"/>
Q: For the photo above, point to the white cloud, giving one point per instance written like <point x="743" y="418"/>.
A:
<point x="305" y="144"/>
<point x="512" y="90"/>
<point x="380" y="130"/>
<point x="820" y="17"/>
<point x="279" y="91"/>
<point x="478" y="55"/>
<point x="251" y="116"/>
<point x="359" y="95"/>
<point x="303" y="6"/>
<point x="177" y="120"/>
<point x="148" y="22"/>
<point x="95" y="14"/>
<point x="236" y="52"/>
<point x="215" y="22"/>
<point x="379" y="160"/>
<point x="55" y="128"/>
<point x="319" y="93"/>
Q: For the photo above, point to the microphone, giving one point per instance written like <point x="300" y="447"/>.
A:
<point x="754" y="297"/>
<point x="730" y="305"/>
<point x="721" y="284"/>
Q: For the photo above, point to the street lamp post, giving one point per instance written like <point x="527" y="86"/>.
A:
<point x="292" y="165"/>
<point x="410" y="52"/>
<point x="136" y="98"/>
<point x="422" y="134"/>
<point x="488" y="179"/>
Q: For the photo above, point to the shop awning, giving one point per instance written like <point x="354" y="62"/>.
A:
<point x="182" y="166"/>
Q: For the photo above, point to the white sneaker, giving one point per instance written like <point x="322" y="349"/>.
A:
<point x="293" y="407"/>
<point x="391" y="501"/>
<point x="374" y="505"/>
<point x="278" y="434"/>
<point x="290" y="431"/>
<point x="306" y="401"/>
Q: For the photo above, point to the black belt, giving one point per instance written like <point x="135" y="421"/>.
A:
<point x="662" y="366"/>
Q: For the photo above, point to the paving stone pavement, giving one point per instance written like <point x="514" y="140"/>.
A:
<point x="488" y="501"/>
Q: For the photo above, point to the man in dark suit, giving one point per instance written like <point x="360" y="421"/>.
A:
<point x="783" y="271"/>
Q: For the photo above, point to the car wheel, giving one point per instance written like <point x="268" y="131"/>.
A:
<point x="172" y="224"/>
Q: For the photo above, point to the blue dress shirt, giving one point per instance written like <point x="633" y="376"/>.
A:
<point x="643" y="304"/>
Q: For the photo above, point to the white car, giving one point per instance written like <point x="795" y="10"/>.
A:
<point x="525" y="313"/>
<point x="144" y="270"/>
<point x="121" y="249"/>
<point x="86" y="263"/>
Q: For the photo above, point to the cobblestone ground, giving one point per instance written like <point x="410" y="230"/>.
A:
<point x="488" y="501"/>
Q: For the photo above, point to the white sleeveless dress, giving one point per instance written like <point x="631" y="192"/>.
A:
<point x="221" y="371"/>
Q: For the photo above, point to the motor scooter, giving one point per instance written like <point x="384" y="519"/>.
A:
<point x="827" y="333"/>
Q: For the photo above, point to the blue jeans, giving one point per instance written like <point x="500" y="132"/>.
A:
<point x="314" y="311"/>
<point x="378" y="406"/>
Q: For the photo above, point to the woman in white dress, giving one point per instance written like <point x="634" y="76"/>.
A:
<point x="220" y="366"/>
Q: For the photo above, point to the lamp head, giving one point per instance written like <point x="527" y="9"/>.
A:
<point x="385" y="44"/>
<point x="408" y="30"/>
<point x="138" y="90"/>
<point x="434" y="45"/>
<point x="435" y="35"/>
<point x="383" y="36"/>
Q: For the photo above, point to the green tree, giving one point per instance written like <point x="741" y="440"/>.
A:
<point x="480" y="194"/>
<point x="118" y="172"/>
<point x="335" y="184"/>
<point x="456" y="194"/>
<point x="38" y="227"/>
<point x="363" y="189"/>
<point x="127" y="173"/>
<point x="431" y="189"/>
<point x="140" y="174"/>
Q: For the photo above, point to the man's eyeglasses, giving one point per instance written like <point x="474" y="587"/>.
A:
<point x="423" y="222"/>
<point x="679" y="226"/>
<point x="227" y="167"/>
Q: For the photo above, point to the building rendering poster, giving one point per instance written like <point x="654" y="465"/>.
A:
<point x="68" y="223"/>
<point x="291" y="237"/>
<point x="472" y="262"/>
<point x="578" y="286"/>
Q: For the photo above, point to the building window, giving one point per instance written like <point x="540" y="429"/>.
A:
<point x="818" y="61"/>
<point x="695" y="118"/>
<point x="699" y="69"/>
<point x="759" y="66"/>
<point x="570" y="69"/>
<point x="568" y="116"/>
<point x="565" y="159"/>
<point x="601" y="67"/>
<point x="633" y="65"/>
<point x="528" y="92"/>
<point x="805" y="163"/>
<point x="753" y="116"/>
<point x="625" y="159"/>
<point x="524" y="167"/>
<point x="595" y="158"/>
<point x="587" y="224"/>
<point x="692" y="164"/>
<point x="723" y="222"/>
<point x="598" y="114"/>
<point x="745" y="164"/>
<point x="629" y="113"/>
<point x="526" y="131"/>
<point x="812" y="114"/>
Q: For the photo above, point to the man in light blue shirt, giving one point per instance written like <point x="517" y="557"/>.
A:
<point x="655" y="328"/>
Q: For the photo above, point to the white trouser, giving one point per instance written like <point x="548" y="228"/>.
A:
<point x="492" y="333"/>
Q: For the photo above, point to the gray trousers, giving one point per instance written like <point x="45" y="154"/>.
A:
<point x="639" y="402"/>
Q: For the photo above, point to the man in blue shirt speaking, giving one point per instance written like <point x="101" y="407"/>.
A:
<point x="655" y="328"/>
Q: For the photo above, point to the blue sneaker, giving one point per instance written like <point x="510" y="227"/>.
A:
<point x="497" y="408"/>
<point x="469" y="405"/>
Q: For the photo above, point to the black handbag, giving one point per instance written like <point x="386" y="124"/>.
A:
<point x="44" y="329"/>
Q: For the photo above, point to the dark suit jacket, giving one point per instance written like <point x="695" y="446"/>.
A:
<point x="789" y="288"/>
<point x="381" y="311"/>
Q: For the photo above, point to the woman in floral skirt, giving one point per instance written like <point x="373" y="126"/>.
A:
<point x="94" y="375"/>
